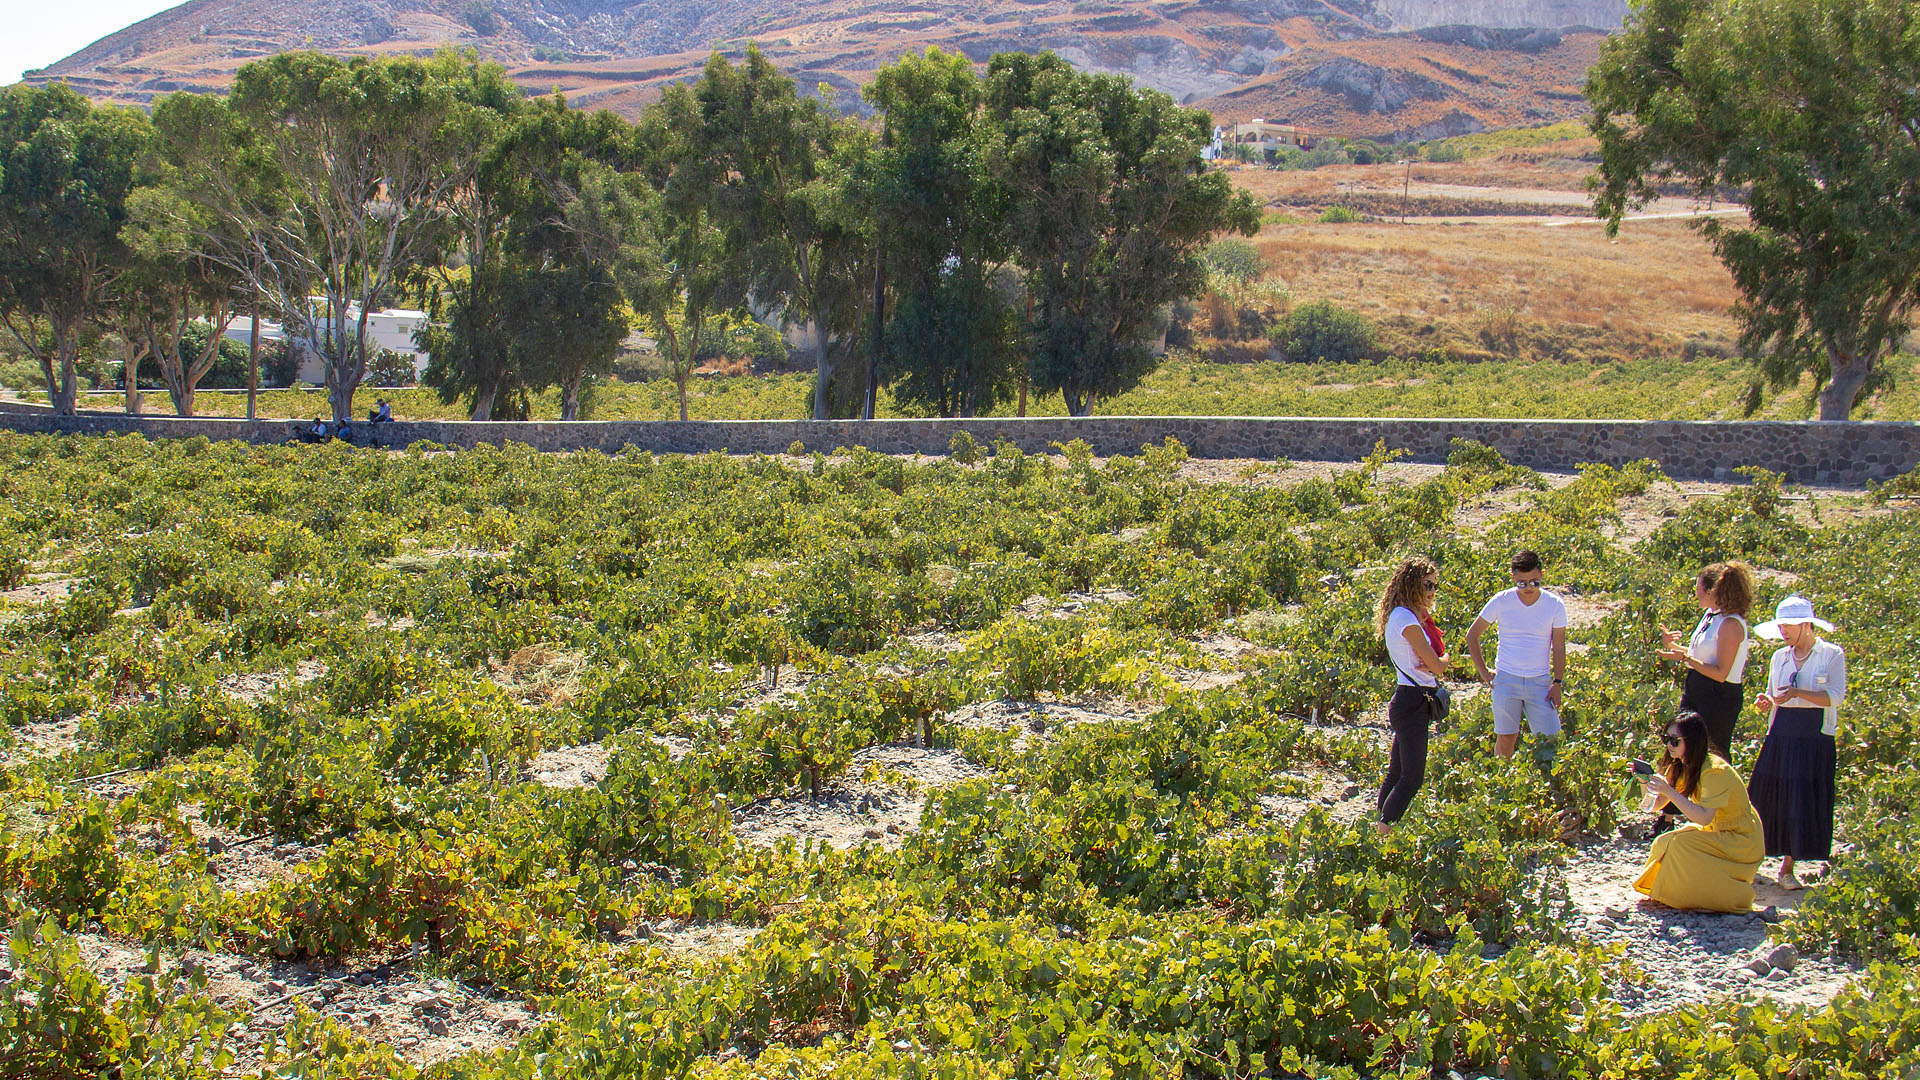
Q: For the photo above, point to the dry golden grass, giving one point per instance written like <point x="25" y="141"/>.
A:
<point x="1566" y="290"/>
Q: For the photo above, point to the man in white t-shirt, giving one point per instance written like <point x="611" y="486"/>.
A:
<point x="1532" y="659"/>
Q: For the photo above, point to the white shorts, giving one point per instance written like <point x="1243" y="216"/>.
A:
<point x="1520" y="696"/>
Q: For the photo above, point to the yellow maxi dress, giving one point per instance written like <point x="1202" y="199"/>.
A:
<point x="1709" y="867"/>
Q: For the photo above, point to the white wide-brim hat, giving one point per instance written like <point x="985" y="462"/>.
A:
<point x="1794" y="609"/>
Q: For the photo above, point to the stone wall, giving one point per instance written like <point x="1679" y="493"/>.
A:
<point x="1809" y="452"/>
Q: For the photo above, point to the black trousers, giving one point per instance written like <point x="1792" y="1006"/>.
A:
<point x="1718" y="703"/>
<point x="1408" y="715"/>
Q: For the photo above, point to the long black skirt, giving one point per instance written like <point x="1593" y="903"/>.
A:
<point x="1792" y="785"/>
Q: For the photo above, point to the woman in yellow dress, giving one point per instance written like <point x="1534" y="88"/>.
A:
<point x="1709" y="864"/>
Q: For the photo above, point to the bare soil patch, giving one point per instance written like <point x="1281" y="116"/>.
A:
<point x="1587" y="612"/>
<point x="1688" y="956"/>
<point x="424" y="1020"/>
<point x="697" y="940"/>
<point x="47" y="738"/>
<point x="586" y="765"/>
<point x="1036" y="719"/>
<point x="1344" y="799"/>
<point x="242" y="863"/>
<point x="258" y="686"/>
<point x="878" y="798"/>
<point x="1261" y="472"/>
<point x="42" y="589"/>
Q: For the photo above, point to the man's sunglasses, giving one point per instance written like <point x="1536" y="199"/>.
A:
<point x="1531" y="583"/>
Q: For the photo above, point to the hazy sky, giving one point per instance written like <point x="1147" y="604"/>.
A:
<point x="35" y="33"/>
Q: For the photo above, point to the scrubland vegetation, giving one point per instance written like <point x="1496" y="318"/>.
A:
<point x="364" y="664"/>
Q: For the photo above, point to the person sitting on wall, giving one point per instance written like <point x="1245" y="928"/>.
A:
<point x="317" y="433"/>
<point x="383" y="414"/>
<point x="345" y="431"/>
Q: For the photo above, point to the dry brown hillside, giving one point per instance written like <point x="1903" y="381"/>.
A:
<point x="1361" y="67"/>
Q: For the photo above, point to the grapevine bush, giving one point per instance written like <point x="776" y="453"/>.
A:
<point x="1106" y="898"/>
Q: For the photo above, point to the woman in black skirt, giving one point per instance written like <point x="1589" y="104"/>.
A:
<point x="1793" y="780"/>
<point x="1715" y="654"/>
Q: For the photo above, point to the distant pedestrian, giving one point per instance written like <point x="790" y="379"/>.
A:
<point x="382" y="413"/>
<point x="1715" y="654"/>
<point x="317" y="433"/>
<point x="1709" y="863"/>
<point x="1404" y="621"/>
<point x="1530" y="667"/>
<point x="1793" y="778"/>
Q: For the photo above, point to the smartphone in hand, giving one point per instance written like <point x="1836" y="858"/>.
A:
<point x="1642" y="768"/>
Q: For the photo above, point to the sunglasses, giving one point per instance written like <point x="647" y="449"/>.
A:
<point x="1674" y="740"/>
<point x="1531" y="583"/>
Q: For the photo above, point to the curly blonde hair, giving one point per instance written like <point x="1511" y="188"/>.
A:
<point x="1407" y="588"/>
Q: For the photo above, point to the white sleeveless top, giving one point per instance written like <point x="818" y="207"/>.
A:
<point x="1704" y="646"/>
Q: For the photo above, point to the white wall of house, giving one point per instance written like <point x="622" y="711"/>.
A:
<point x="391" y="328"/>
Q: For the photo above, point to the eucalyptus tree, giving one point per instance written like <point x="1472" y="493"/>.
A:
<point x="784" y="200"/>
<point x="165" y="294"/>
<point x="67" y="167"/>
<point x="324" y="181"/>
<point x="1110" y="205"/>
<point x="659" y="227"/>
<point x="939" y="215"/>
<point x="1810" y="107"/>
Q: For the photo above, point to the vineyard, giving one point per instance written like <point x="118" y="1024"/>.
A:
<point x="488" y="764"/>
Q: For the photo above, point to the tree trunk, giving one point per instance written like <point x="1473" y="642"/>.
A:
<point x="570" y="398"/>
<point x="871" y="399"/>
<point x="183" y="403"/>
<point x="1078" y="403"/>
<point x="253" y="362"/>
<point x="64" y="397"/>
<point x="131" y="377"/>
<point x="822" y="372"/>
<point x="1848" y="373"/>
<point x="340" y="395"/>
<point x="680" y="380"/>
<point x="483" y="403"/>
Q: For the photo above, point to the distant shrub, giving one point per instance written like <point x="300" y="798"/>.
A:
<point x="1281" y="217"/>
<point x="1339" y="215"/>
<point x="388" y="367"/>
<point x="480" y="15"/>
<point x="1326" y="332"/>
<point x="1235" y="261"/>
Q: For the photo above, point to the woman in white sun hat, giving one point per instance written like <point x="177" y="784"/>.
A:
<point x="1793" y="779"/>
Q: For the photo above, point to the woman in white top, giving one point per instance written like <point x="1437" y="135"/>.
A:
<point x="1419" y="657"/>
<point x="1715" y="654"/>
<point x="1793" y="779"/>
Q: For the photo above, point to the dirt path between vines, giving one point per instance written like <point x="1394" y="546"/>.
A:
<point x="425" y="1020"/>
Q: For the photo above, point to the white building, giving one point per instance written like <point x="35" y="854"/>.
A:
<point x="389" y="328"/>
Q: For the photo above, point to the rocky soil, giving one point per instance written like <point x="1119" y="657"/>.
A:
<point x="878" y="798"/>
<point x="424" y="1019"/>
<point x="1690" y="956"/>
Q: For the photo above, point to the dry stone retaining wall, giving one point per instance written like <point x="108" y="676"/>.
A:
<point x="1810" y="452"/>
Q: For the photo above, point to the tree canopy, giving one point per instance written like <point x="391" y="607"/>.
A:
<point x="67" y="168"/>
<point x="1809" y="107"/>
<point x="980" y="236"/>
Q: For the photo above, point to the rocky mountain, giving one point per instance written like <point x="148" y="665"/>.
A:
<point x="1363" y="67"/>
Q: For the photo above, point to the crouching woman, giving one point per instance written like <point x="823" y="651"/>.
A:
<point x="1708" y="864"/>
